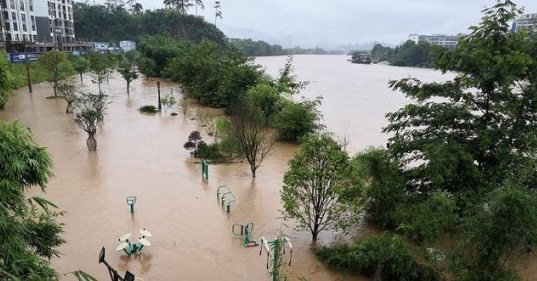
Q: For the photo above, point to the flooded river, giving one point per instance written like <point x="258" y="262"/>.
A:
<point x="143" y="155"/>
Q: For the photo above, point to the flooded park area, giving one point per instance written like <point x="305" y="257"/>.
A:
<point x="143" y="155"/>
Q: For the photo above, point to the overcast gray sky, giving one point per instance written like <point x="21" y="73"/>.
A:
<point x="327" y="23"/>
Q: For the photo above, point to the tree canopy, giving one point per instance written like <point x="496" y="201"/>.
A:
<point x="29" y="234"/>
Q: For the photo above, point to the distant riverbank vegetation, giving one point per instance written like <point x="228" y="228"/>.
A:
<point x="409" y="53"/>
<point x="262" y="48"/>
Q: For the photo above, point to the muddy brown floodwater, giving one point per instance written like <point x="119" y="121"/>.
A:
<point x="143" y="155"/>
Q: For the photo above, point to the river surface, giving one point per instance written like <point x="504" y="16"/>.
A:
<point x="143" y="155"/>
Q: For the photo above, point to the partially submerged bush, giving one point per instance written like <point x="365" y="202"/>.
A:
<point x="148" y="109"/>
<point x="385" y="257"/>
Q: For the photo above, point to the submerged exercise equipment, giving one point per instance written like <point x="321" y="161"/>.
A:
<point x="130" y="248"/>
<point x="244" y="230"/>
<point x="277" y="247"/>
<point x="204" y="169"/>
<point x="131" y="200"/>
<point x="114" y="275"/>
<point x="227" y="196"/>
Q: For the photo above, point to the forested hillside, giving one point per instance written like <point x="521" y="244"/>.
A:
<point x="95" y="22"/>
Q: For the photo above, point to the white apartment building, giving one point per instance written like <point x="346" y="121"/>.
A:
<point x="527" y="21"/>
<point x="18" y="20"/>
<point x="446" y="41"/>
<point x="37" y="21"/>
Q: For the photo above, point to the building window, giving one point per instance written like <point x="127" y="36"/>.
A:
<point x="24" y="27"/>
<point x="12" y="4"/>
<point x="15" y="27"/>
<point x="31" y="5"/>
<point x="13" y="16"/>
<point x="22" y="5"/>
<point x="23" y="17"/>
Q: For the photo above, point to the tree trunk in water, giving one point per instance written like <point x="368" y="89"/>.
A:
<point x="128" y="88"/>
<point x="314" y="237"/>
<point x="91" y="142"/>
<point x="55" y="89"/>
<point x="252" y="167"/>
<point x="81" y="80"/>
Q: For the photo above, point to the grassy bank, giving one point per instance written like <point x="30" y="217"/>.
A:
<point x="37" y="74"/>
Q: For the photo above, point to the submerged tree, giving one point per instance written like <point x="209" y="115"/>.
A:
<point x="81" y="65"/>
<point x="250" y="132"/>
<point x="99" y="66"/>
<point x="315" y="183"/>
<point x="90" y="110"/>
<point x="146" y="66"/>
<point x="68" y="91"/>
<point x="57" y="64"/>
<point x="128" y="73"/>
<point x="29" y="233"/>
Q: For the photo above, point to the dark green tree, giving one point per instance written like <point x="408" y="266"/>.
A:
<point x="57" y="64"/>
<point x="6" y="79"/>
<point x="81" y="65"/>
<point x="472" y="133"/>
<point x="29" y="233"/>
<point x="99" y="67"/>
<point x="128" y="73"/>
<point x="297" y="119"/>
<point x="315" y="184"/>
<point x="146" y="66"/>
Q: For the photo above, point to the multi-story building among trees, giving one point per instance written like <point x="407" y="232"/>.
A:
<point x="446" y="41"/>
<point x="527" y="22"/>
<point x="37" y="25"/>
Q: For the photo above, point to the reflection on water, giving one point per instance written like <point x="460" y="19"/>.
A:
<point x="143" y="155"/>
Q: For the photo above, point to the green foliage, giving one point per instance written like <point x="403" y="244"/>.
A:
<point x="113" y="23"/>
<point x="160" y="50"/>
<point x="297" y="119"/>
<point x="168" y="101"/>
<point x="213" y="76"/>
<point x="80" y="65"/>
<point x="314" y="185"/>
<point x="412" y="54"/>
<point x="428" y="220"/>
<point x="148" y="109"/>
<point x="382" y="53"/>
<point x="259" y="48"/>
<point x="28" y="235"/>
<point x="68" y="91"/>
<point x="99" y="65"/>
<point x="385" y="257"/>
<point x="128" y="73"/>
<point x="146" y="66"/>
<point x="210" y="152"/>
<point x="57" y="65"/>
<point x="6" y="79"/>
<point x="472" y="133"/>
<point x="384" y="185"/>
<point x="90" y="109"/>
<point x="497" y="232"/>
<point x="38" y="74"/>
<point x="83" y="276"/>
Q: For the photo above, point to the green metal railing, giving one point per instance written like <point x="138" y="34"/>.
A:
<point x="227" y="197"/>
